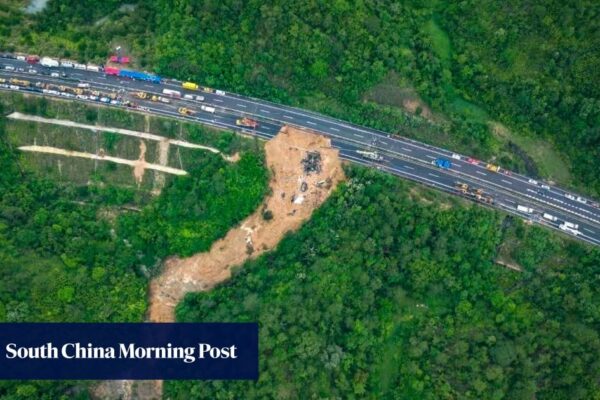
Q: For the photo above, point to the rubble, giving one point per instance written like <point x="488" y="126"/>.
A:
<point x="312" y="162"/>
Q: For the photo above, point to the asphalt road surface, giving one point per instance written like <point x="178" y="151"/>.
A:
<point x="400" y="156"/>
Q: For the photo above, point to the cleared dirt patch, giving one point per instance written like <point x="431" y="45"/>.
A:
<point x="133" y="163"/>
<point x="127" y="132"/>
<point x="290" y="207"/>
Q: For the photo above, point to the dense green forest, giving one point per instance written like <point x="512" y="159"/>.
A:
<point x="529" y="66"/>
<point x="385" y="296"/>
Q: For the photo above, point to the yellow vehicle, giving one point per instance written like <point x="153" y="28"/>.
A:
<point x="19" y="82"/>
<point x="2" y="80"/>
<point x="185" y="111"/>
<point x="77" y="91"/>
<point x="207" y="89"/>
<point x="141" y="95"/>
<point x="153" y="98"/>
<point x="190" y="85"/>
<point x="492" y="167"/>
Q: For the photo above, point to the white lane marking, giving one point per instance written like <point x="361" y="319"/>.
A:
<point x="310" y="122"/>
<point x="101" y="77"/>
<point x="219" y="100"/>
<point x="434" y="175"/>
<point x="405" y="149"/>
<point x="287" y="116"/>
<point x="241" y="105"/>
<point x="406" y="166"/>
<point x="457" y="165"/>
<point x="265" y="111"/>
<point x="481" y="173"/>
<point x="355" y="134"/>
<point x="592" y="232"/>
<point x="334" y="129"/>
<point x="507" y="182"/>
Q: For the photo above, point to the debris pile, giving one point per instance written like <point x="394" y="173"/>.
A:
<point x="312" y="162"/>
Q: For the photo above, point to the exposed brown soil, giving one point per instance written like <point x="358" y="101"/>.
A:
<point x="140" y="165"/>
<point x="290" y="208"/>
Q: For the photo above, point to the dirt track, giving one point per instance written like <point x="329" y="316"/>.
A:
<point x="254" y="235"/>
<point x="138" y="164"/>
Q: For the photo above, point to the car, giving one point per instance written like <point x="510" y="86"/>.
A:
<point x="581" y="200"/>
<point x="456" y="156"/>
<point x="569" y="196"/>
<point x="21" y="69"/>
<point x="32" y="71"/>
<point x="188" y="96"/>
<point x="506" y="172"/>
<point x="55" y="74"/>
<point x="546" y="187"/>
<point x="9" y="68"/>
<point x="533" y="181"/>
<point x="200" y="98"/>
<point x="472" y="161"/>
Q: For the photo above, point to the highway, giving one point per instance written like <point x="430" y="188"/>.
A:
<point x="400" y="156"/>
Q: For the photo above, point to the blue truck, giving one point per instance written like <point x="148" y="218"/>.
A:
<point x="442" y="163"/>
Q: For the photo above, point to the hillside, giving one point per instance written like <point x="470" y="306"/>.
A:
<point x="383" y="64"/>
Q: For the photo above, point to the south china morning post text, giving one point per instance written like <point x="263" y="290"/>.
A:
<point x="129" y="351"/>
<point x="70" y="351"/>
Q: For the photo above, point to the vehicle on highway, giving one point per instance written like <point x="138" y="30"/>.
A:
<point x="83" y="85"/>
<point x="9" y="68"/>
<point x="442" y="163"/>
<point x="200" y="98"/>
<point x="188" y="96"/>
<point x="32" y="71"/>
<point x="247" y="122"/>
<point x="549" y="217"/>
<point x="456" y="156"/>
<point x="32" y="59"/>
<point x="571" y="225"/>
<point x="581" y="200"/>
<point x="111" y="71"/>
<point x="546" y="187"/>
<point x="49" y="62"/>
<point x="492" y="167"/>
<point x="472" y="161"/>
<point x="208" y="109"/>
<point x="567" y="228"/>
<point x="140" y="76"/>
<point x="185" y="111"/>
<point x="525" y="209"/>
<point x="190" y="85"/>
<point x="533" y="181"/>
<point x="54" y="74"/>
<point x="67" y="64"/>
<point x="172" y="93"/>
<point x="569" y="196"/>
<point x="220" y="92"/>
<point x="371" y="155"/>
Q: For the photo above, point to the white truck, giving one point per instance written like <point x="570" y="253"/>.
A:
<point x="371" y="155"/>
<point x="525" y="209"/>
<point x="67" y="64"/>
<point x="208" y="109"/>
<point x="172" y="93"/>
<point x="80" y="66"/>
<point x="220" y="92"/>
<point x="571" y="225"/>
<point x="549" y="217"/>
<point x="566" y="228"/>
<point x="49" y="62"/>
<point x="92" y="67"/>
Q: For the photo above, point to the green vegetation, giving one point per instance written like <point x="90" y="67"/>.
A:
<point x="381" y="296"/>
<point x="531" y="67"/>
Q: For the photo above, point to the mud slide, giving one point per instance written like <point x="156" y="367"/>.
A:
<point x="140" y="165"/>
<point x="295" y="195"/>
<point x="127" y="132"/>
